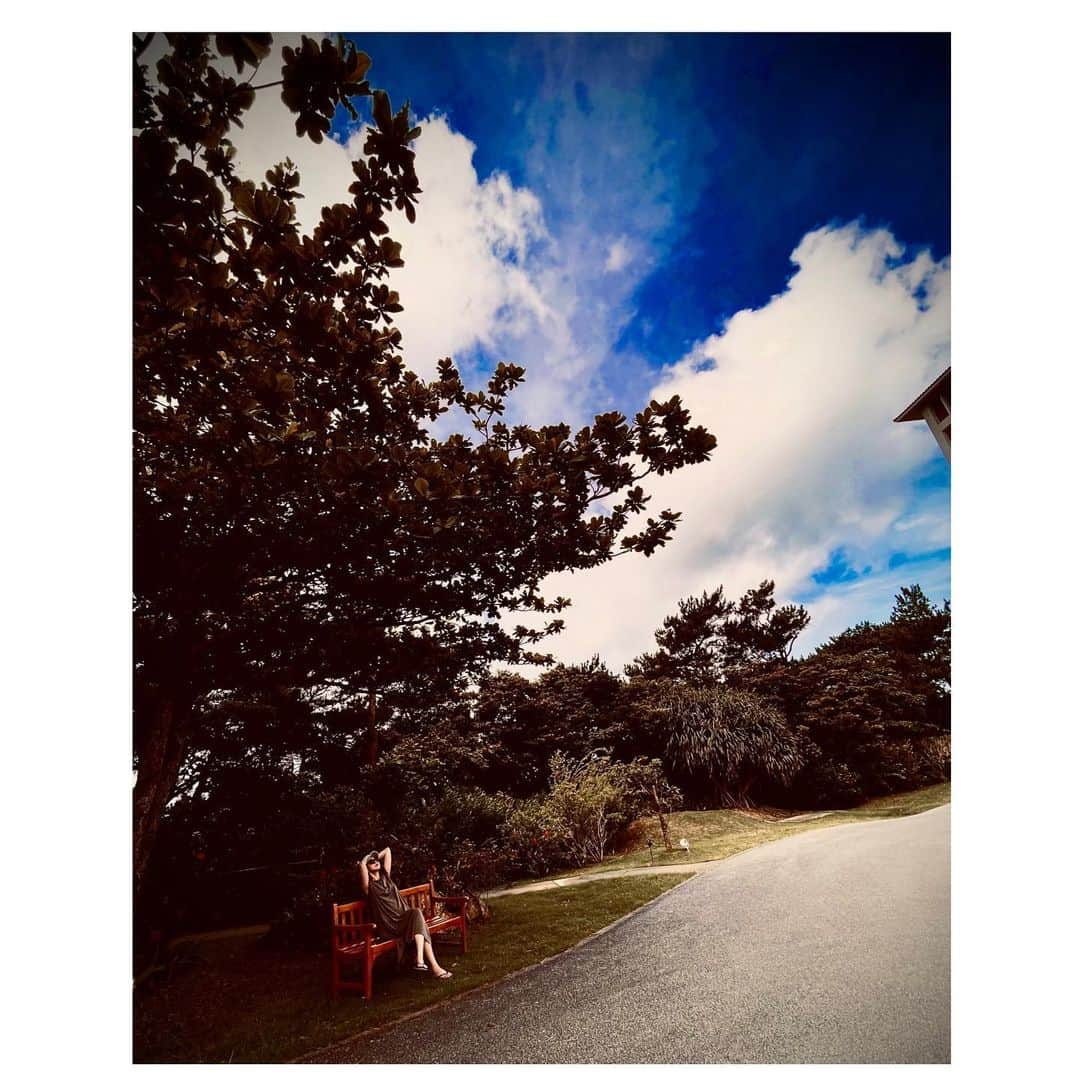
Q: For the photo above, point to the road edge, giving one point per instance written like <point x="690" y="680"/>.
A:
<point x="306" y="1058"/>
<point x="697" y="867"/>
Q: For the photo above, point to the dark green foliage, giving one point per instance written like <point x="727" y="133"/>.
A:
<point x="452" y="840"/>
<point x="728" y="741"/>
<point x="587" y="804"/>
<point x="302" y="921"/>
<point x="299" y="533"/>
<point x="573" y="707"/>
<point x="872" y="696"/>
<point x="318" y="580"/>
<point x="712" y="639"/>
<point x="590" y="801"/>
<point x="533" y="838"/>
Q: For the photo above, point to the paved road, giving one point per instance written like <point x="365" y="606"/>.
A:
<point x="600" y="875"/>
<point x="631" y="871"/>
<point x="830" y="946"/>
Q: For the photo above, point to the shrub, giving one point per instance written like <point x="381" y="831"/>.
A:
<point x="906" y="764"/>
<point x="535" y="839"/>
<point x="732" y="740"/>
<point x="591" y="801"/>
<point x="452" y="839"/>
<point x="935" y="759"/>
<point x="304" y="920"/>
<point x="825" y="783"/>
<point x="463" y="832"/>
<point x="469" y="867"/>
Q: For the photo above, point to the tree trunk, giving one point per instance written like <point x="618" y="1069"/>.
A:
<point x="160" y="752"/>
<point x="373" y="731"/>
<point x="724" y="797"/>
<point x="663" y="820"/>
<point x="744" y="793"/>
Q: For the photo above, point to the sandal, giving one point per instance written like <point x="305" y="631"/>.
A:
<point x="444" y="974"/>
<point x="420" y="967"/>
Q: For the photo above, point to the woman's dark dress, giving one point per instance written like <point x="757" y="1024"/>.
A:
<point x="391" y="914"/>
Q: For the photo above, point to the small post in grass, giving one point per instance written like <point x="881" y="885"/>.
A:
<point x="649" y="842"/>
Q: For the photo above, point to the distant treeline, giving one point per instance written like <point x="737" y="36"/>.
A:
<point x="465" y="786"/>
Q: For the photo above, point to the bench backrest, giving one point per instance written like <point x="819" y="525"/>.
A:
<point x="349" y="917"/>
<point x="420" y="896"/>
<point x="347" y="921"/>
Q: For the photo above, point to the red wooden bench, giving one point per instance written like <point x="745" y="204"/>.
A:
<point x="356" y="940"/>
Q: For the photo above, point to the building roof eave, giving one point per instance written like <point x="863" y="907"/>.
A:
<point x="916" y="409"/>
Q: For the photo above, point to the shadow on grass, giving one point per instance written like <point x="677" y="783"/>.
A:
<point x="236" y="1001"/>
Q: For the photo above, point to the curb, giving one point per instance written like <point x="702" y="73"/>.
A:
<point x="305" y="1059"/>
<point x="602" y="875"/>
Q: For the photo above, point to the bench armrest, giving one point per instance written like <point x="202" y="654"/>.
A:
<point x="461" y="901"/>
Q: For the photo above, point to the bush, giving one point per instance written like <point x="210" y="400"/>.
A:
<point x="535" y="840"/>
<point x="453" y="839"/>
<point x="935" y="760"/>
<point x="907" y="764"/>
<point x="471" y="814"/>
<point x="591" y="801"/>
<point x="304" y="920"/>
<point x="469" y="867"/>
<point x="824" y="783"/>
<point x="463" y="837"/>
<point x="730" y="741"/>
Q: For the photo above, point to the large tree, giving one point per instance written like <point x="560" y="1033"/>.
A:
<point x="298" y="528"/>
<point x="572" y="707"/>
<point x="712" y="639"/>
<point x="874" y="699"/>
<point x="916" y="640"/>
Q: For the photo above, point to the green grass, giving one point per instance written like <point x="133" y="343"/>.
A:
<point x="718" y="834"/>
<point x="236" y="1001"/>
<point x="911" y="802"/>
<point x="229" y="999"/>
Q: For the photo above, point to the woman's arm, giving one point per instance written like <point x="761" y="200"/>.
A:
<point x="365" y="878"/>
<point x="386" y="857"/>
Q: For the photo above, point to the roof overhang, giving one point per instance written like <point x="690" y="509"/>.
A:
<point x="916" y="409"/>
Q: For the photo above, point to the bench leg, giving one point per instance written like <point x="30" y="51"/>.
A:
<point x="369" y="962"/>
<point x="464" y="934"/>
<point x="335" y="975"/>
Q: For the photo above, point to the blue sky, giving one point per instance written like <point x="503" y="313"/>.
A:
<point x="747" y="141"/>
<point x="759" y="223"/>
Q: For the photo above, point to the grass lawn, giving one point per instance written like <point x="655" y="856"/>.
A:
<point x="234" y="1000"/>
<point x="716" y="834"/>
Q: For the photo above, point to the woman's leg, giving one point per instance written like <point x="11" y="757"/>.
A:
<point x="415" y="929"/>
<point x="430" y="954"/>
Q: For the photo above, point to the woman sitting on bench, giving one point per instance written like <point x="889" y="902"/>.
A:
<point x="393" y="917"/>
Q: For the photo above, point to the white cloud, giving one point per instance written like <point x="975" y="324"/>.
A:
<point x="470" y="276"/>
<point x="618" y="256"/>
<point x="801" y="396"/>
<point x="800" y="393"/>
<point x="483" y="269"/>
<point x="467" y="279"/>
